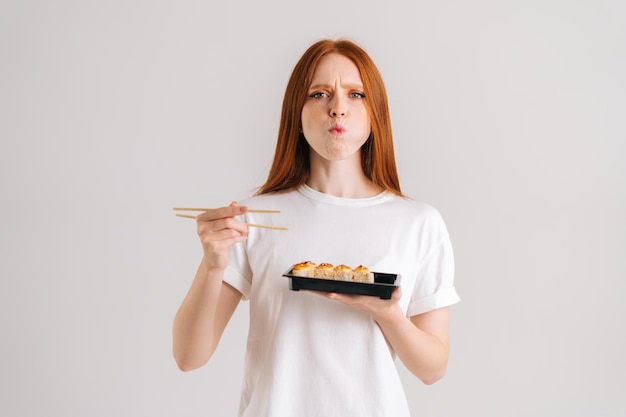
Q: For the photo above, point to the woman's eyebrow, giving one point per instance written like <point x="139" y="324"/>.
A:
<point x="330" y="86"/>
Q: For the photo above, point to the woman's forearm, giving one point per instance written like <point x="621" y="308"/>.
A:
<point x="424" y="351"/>
<point x="201" y="318"/>
<point x="421" y="342"/>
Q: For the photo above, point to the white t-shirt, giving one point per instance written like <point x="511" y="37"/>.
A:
<point x="311" y="356"/>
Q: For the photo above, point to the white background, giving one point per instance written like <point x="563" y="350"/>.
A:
<point x="508" y="117"/>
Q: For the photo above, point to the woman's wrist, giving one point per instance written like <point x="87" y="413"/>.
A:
<point x="390" y="316"/>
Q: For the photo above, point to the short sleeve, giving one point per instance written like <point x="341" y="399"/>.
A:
<point x="238" y="274"/>
<point x="434" y="285"/>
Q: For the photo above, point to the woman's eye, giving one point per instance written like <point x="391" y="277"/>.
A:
<point x="357" y="95"/>
<point x="318" y="95"/>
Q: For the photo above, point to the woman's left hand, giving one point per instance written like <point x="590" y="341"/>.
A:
<point x="374" y="306"/>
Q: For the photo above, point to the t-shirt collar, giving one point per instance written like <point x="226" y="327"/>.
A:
<point x="343" y="201"/>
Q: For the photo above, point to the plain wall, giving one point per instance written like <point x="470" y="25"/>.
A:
<point x="508" y="117"/>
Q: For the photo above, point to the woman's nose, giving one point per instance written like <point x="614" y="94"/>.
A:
<point x="337" y="107"/>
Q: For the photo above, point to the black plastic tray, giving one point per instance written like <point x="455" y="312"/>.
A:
<point x="383" y="286"/>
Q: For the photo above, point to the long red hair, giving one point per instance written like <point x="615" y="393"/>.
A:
<point x="291" y="166"/>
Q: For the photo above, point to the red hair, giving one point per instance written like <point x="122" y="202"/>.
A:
<point x="291" y="165"/>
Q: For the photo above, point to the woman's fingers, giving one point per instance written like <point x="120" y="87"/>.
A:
<point x="219" y="226"/>
<point x="218" y="229"/>
<point x="373" y="306"/>
<point x="222" y="218"/>
<point x="229" y="211"/>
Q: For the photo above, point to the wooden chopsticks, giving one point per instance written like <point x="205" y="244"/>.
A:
<point x="205" y="209"/>
<point x="188" y="216"/>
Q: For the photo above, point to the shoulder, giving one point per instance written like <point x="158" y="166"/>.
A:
<point x="416" y="208"/>
<point x="421" y="216"/>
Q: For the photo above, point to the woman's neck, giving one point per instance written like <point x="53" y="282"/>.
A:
<point x="341" y="179"/>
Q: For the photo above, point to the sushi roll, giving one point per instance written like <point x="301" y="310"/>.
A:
<point x="325" y="270"/>
<point x="343" y="273"/>
<point x="363" y="274"/>
<point x="304" y="269"/>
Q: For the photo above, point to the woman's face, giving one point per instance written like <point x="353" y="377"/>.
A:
<point x="335" y="121"/>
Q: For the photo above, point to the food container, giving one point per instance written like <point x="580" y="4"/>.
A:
<point x="382" y="287"/>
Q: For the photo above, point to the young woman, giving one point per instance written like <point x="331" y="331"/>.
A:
<point x="335" y="181"/>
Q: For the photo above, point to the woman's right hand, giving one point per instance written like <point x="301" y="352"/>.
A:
<point x="218" y="229"/>
<point x="210" y="302"/>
